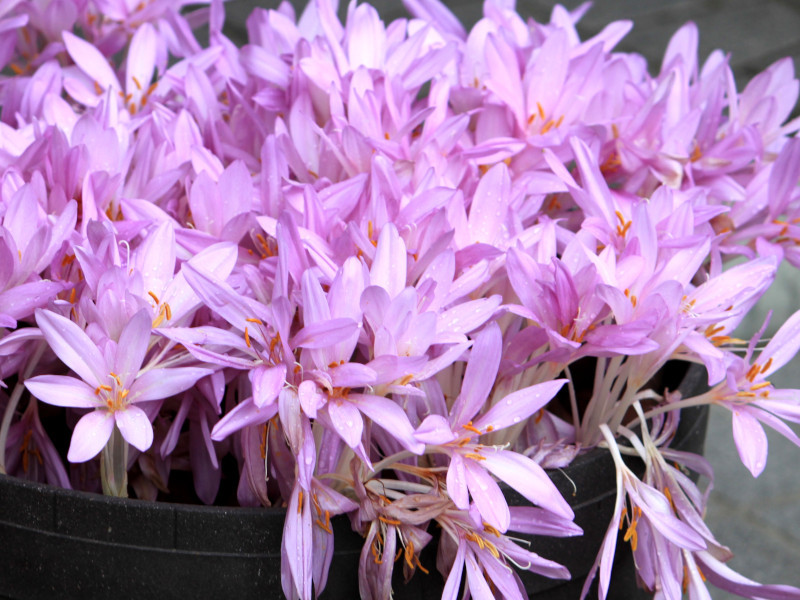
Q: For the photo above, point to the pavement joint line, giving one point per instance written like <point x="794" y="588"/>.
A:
<point x="723" y="505"/>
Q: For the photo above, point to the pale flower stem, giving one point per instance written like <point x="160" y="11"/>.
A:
<point x="573" y="400"/>
<point x="13" y="401"/>
<point x="114" y="466"/>
<point x="679" y="405"/>
<point x="601" y="402"/>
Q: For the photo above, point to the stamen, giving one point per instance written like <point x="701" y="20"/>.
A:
<point x="254" y="320"/>
<point x="388" y="521"/>
<point x="247" y="338"/>
<point x="473" y="429"/>
<point x="136" y="82"/>
<point x="766" y="366"/>
<point x="474" y="456"/>
<point x="406" y="379"/>
<point x="168" y="311"/>
<point x="326" y="525"/>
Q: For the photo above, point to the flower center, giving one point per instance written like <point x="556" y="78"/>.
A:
<point x="114" y="395"/>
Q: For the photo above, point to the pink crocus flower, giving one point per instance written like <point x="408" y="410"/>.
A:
<point x="112" y="382"/>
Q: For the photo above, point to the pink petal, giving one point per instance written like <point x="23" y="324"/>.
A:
<point x="244" y="414"/>
<point x="751" y="441"/>
<point x="297" y="542"/>
<point x="59" y="390"/>
<point x="487" y="213"/>
<point x="434" y="430"/>
<point x="390" y="263"/>
<point x="135" y="427"/>
<point x="132" y="346"/>
<point x="267" y="383"/>
<point x="467" y="316"/>
<point x="487" y="496"/>
<point x="71" y="344"/>
<point x="457" y="482"/>
<point x="391" y="417"/>
<point x="156" y="384"/>
<point x="324" y="333"/>
<point x="91" y="61"/>
<point x="480" y="374"/>
<point x="451" y="586"/>
<point x="519" y="405"/>
<point x="90" y="435"/>
<point x="529" y="479"/>
<point x="347" y="421"/>
<point x="141" y="62"/>
<point x="478" y="587"/>
<point x="783" y="345"/>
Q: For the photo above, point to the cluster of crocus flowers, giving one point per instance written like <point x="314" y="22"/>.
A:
<point x="361" y="262"/>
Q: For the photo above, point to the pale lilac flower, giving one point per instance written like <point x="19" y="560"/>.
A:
<point x="111" y="382"/>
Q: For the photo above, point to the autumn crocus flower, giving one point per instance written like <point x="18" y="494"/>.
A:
<point x="112" y="382"/>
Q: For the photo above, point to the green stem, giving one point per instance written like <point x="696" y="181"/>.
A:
<point x="114" y="466"/>
<point x="13" y="401"/>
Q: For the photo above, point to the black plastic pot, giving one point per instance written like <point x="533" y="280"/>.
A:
<point x="57" y="543"/>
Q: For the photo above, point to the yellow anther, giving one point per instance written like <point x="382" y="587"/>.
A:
<point x="470" y="427"/>
<point x="474" y="456"/>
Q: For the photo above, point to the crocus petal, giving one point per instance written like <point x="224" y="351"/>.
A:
<point x="324" y="333"/>
<point x="135" y="427"/>
<point x="163" y="383"/>
<point x="347" y="421"/>
<point x="391" y="417"/>
<point x="141" y="61"/>
<point x="451" y="586"/>
<point x="783" y="345"/>
<point x="487" y="496"/>
<point x="390" y="263"/>
<point x="91" y="61"/>
<point x="467" y="316"/>
<point x="132" y="346"/>
<point x="297" y="537"/>
<point x="73" y="347"/>
<point x="90" y="435"/>
<point x="751" y="441"/>
<point x="245" y="413"/>
<point x="480" y="374"/>
<point x="457" y="482"/>
<point x="519" y="405"/>
<point x="267" y="383"/>
<point x="537" y="521"/>
<point x="60" y="390"/>
<point x="434" y="430"/>
<point x="528" y="478"/>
